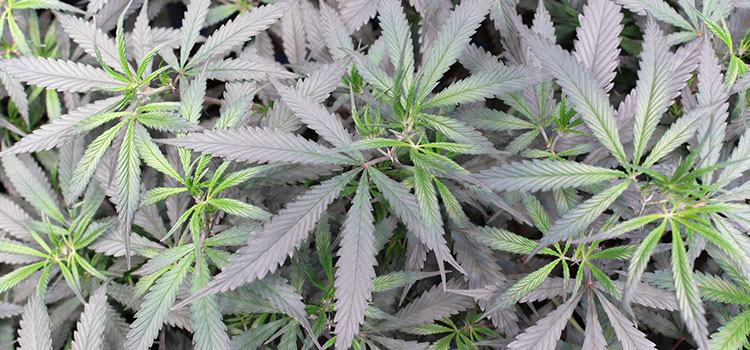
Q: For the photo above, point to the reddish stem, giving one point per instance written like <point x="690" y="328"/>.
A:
<point x="375" y="161"/>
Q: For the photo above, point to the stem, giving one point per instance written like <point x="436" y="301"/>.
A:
<point x="375" y="161"/>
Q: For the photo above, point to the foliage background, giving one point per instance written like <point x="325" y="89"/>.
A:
<point x="362" y="174"/>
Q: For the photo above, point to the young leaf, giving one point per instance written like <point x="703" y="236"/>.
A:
<point x="733" y="334"/>
<point x="580" y="217"/>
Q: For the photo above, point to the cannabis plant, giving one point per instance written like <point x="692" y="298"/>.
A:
<point x="360" y="174"/>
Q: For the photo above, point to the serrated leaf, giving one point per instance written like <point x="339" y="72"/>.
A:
<point x="482" y="85"/>
<point x="128" y="178"/>
<point x="90" y="328"/>
<point x="733" y="334"/>
<point x="355" y="268"/>
<point x="33" y="185"/>
<point x="594" y="335"/>
<point x="192" y="23"/>
<point x="209" y="331"/>
<point x="523" y="287"/>
<point x="545" y="175"/>
<point x="34" y="331"/>
<point x="269" y="247"/>
<point x="242" y="209"/>
<point x="59" y="75"/>
<point x="688" y="296"/>
<point x="640" y="260"/>
<point x="545" y="333"/>
<point x="457" y="131"/>
<point x="629" y="336"/>
<point x="576" y="220"/>
<point x="165" y="121"/>
<point x="252" y="144"/>
<point x="60" y="130"/>
<point x="396" y="33"/>
<point x="91" y="39"/>
<point x="660" y="9"/>
<point x="237" y="31"/>
<point x="597" y="40"/>
<point x="326" y="124"/>
<point x="156" y="305"/>
<point x="90" y="160"/>
<point x="408" y="208"/>
<point x="336" y="35"/>
<point x="584" y="92"/>
<point x="452" y="38"/>
<point x="432" y="305"/>
<point x="652" y="95"/>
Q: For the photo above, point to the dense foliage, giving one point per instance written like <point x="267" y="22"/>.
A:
<point x="375" y="174"/>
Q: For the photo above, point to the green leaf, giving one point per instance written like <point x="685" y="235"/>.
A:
<point x="544" y="175"/>
<point x="639" y="262"/>
<point x="235" y="207"/>
<point x="355" y="268"/>
<point x="209" y="330"/>
<point x="128" y="178"/>
<point x="451" y="40"/>
<point x="574" y="222"/>
<point x="686" y="290"/>
<point x="12" y="278"/>
<point x="733" y="334"/>
<point x="268" y="248"/>
<point x="506" y="241"/>
<point x="90" y="160"/>
<point x="482" y="85"/>
<point x="156" y="305"/>
<point x="522" y="287"/>
<point x="584" y="92"/>
<point x="158" y="194"/>
<point x="151" y="154"/>
<point x="660" y="9"/>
